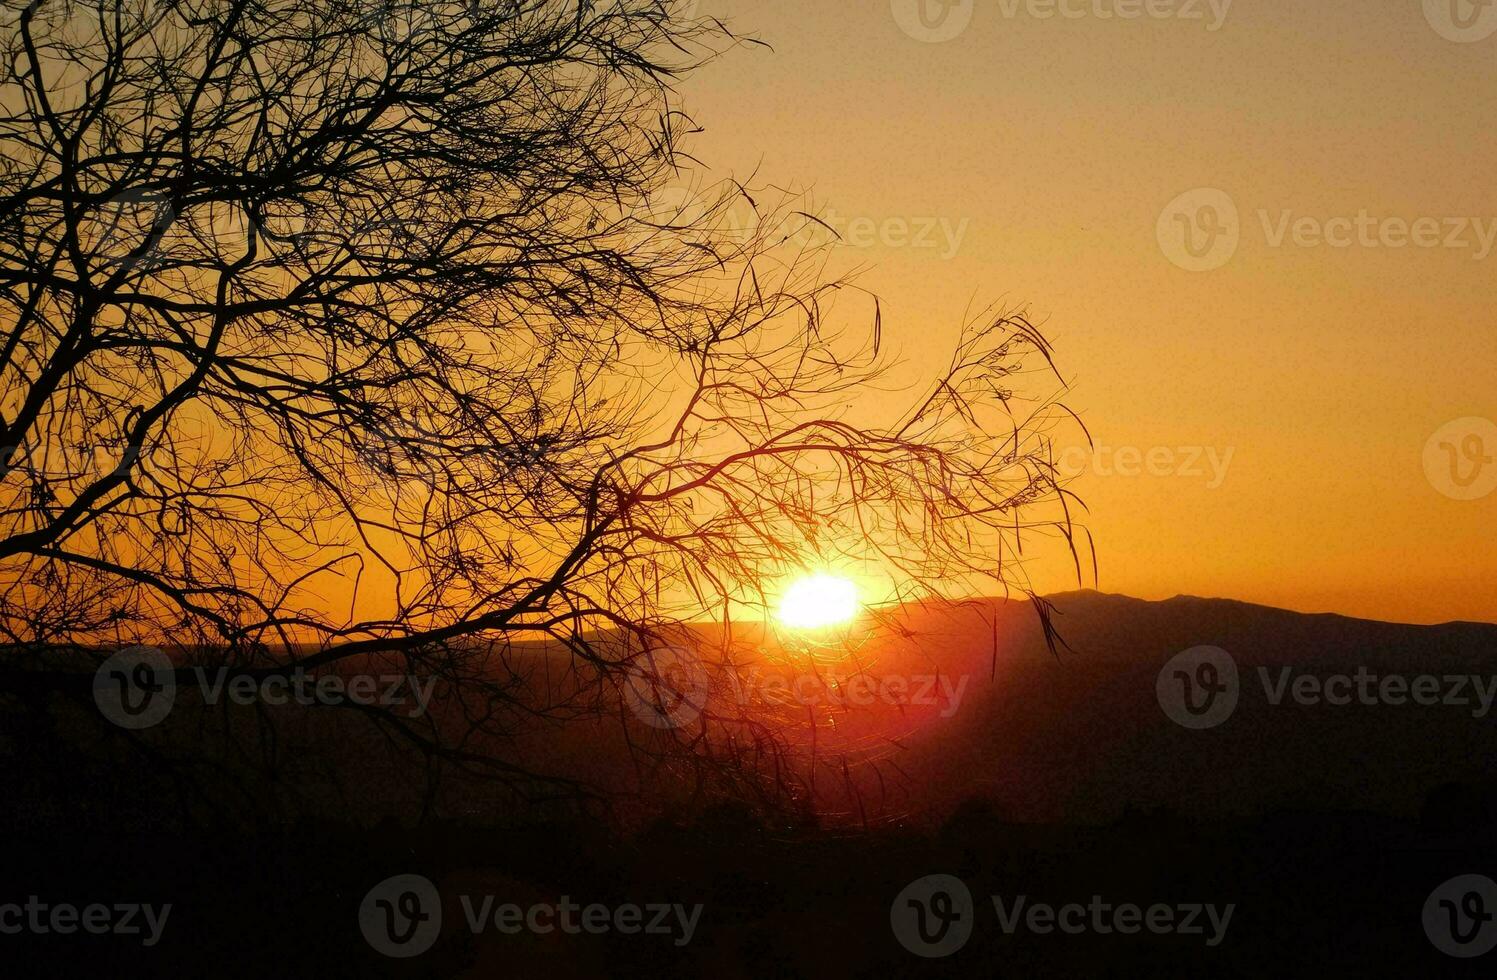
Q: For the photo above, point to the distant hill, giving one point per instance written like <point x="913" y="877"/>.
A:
<point x="1026" y="772"/>
<point x="907" y="715"/>
<point x="1080" y="736"/>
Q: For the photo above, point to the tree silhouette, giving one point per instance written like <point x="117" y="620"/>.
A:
<point x="349" y="334"/>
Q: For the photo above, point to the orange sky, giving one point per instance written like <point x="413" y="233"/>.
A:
<point x="1037" y="161"/>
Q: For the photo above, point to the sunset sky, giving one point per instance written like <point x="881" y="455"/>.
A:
<point x="1274" y="402"/>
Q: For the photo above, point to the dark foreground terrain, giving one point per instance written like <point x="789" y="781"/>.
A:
<point x="1311" y="893"/>
<point x="1054" y="820"/>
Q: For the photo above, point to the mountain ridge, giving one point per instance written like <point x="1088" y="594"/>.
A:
<point x="1185" y="597"/>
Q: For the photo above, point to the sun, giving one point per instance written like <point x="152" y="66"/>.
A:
<point x="818" y="600"/>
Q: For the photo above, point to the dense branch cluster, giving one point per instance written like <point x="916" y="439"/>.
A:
<point x="334" y="329"/>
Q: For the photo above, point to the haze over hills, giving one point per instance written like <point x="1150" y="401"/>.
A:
<point x="981" y="753"/>
<point x="1080" y="735"/>
<point x="913" y="712"/>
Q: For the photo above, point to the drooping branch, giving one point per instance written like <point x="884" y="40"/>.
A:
<point x="336" y="331"/>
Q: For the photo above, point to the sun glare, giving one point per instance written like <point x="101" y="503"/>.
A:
<point x="818" y="600"/>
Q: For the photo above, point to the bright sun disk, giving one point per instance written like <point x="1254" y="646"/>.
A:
<point x="818" y="600"/>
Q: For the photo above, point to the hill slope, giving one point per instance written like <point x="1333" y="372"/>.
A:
<point x="1081" y="736"/>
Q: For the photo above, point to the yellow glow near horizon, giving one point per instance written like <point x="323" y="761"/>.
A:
<point x="1277" y="335"/>
<point x="818" y="600"/>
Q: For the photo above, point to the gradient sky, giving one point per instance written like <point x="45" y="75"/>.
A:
<point x="1052" y="149"/>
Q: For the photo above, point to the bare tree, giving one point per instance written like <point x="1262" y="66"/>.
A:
<point x="341" y="333"/>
